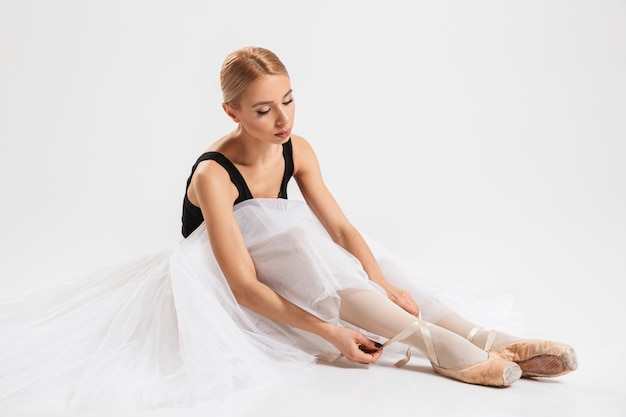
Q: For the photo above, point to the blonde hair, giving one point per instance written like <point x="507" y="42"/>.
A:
<point x="243" y="66"/>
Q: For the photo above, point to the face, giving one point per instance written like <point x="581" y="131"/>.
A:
<point x="266" y="109"/>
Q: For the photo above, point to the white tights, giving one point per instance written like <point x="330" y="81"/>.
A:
<point x="375" y="313"/>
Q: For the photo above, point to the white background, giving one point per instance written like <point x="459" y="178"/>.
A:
<point x="483" y="141"/>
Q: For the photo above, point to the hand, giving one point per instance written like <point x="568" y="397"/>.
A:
<point x="402" y="298"/>
<point x="354" y="346"/>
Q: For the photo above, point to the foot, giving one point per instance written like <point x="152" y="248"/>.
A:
<point x="536" y="357"/>
<point x="451" y="356"/>
<point x="494" y="371"/>
<point x="539" y="358"/>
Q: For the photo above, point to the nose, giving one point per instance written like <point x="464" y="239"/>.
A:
<point x="282" y="119"/>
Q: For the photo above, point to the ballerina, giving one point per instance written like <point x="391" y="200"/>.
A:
<point x="259" y="284"/>
<point x="255" y="161"/>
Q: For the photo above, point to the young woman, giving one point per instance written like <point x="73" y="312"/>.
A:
<point x="260" y="285"/>
<point x="255" y="161"/>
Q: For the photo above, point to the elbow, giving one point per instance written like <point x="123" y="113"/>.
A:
<point x="244" y="295"/>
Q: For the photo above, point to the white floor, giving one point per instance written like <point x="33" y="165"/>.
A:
<point x="595" y="389"/>
<point x="416" y="391"/>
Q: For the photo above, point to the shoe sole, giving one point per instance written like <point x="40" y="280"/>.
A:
<point x="549" y="366"/>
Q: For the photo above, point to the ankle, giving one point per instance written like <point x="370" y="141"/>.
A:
<point x="487" y="339"/>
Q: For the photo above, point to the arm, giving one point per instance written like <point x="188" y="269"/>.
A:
<point x="212" y="189"/>
<point x="309" y="178"/>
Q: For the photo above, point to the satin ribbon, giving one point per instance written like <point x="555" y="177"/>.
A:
<point x="491" y="337"/>
<point x="412" y="328"/>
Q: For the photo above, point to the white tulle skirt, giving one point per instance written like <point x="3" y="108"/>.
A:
<point x="165" y="331"/>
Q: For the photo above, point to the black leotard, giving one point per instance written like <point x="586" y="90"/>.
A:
<point x="192" y="215"/>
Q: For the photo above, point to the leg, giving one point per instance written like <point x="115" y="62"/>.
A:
<point x="453" y="355"/>
<point x="483" y="339"/>
<point x="536" y="357"/>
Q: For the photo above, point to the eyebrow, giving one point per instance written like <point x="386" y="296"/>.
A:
<point x="261" y="103"/>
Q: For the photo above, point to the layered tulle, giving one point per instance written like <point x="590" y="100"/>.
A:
<point x="166" y="331"/>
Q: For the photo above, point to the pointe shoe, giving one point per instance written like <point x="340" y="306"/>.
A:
<point x="539" y="358"/>
<point x="494" y="371"/>
<point x="536" y="357"/>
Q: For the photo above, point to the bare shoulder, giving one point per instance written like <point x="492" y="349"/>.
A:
<point x="300" y="143"/>
<point x="209" y="170"/>
<point x="303" y="154"/>
<point x="209" y="179"/>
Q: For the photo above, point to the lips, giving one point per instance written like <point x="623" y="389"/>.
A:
<point x="284" y="133"/>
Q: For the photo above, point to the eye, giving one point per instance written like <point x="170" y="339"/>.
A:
<point x="286" y="103"/>
<point x="263" y="112"/>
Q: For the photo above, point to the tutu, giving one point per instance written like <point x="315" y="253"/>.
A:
<point x="165" y="331"/>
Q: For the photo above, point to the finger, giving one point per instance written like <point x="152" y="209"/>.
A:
<point x="369" y="357"/>
<point x="406" y="303"/>
<point x="370" y="347"/>
<point x="365" y="358"/>
<point x="369" y="351"/>
<point x="364" y="342"/>
<point x="376" y="355"/>
<point x="411" y="309"/>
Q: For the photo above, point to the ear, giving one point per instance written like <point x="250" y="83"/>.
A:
<point x="230" y="112"/>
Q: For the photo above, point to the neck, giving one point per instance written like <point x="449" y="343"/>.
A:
<point x="247" y="150"/>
